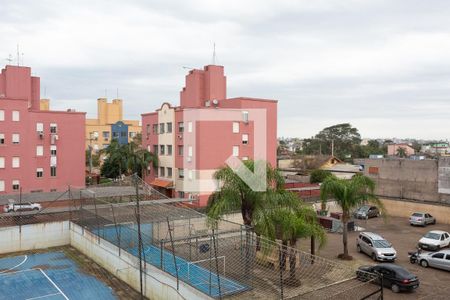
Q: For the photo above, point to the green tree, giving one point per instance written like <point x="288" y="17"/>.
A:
<point x="289" y="224"/>
<point x="349" y="195"/>
<point x="95" y="158"/>
<point x="401" y="152"/>
<point x="319" y="175"/>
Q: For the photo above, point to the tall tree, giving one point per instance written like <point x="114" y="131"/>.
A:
<point x="401" y="152"/>
<point x="349" y="195"/>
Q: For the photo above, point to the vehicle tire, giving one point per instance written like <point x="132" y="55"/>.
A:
<point x="374" y="257"/>
<point x="358" y="248"/>
<point x="395" y="288"/>
<point x="36" y="208"/>
<point x="434" y="222"/>
<point x="424" y="263"/>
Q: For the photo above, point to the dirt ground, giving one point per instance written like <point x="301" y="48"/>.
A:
<point x="434" y="283"/>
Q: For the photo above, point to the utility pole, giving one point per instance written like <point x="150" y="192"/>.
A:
<point x="332" y="147"/>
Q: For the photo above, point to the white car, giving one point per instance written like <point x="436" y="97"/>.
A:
<point x="375" y="246"/>
<point x="23" y="206"/>
<point x="434" y="240"/>
<point x="440" y="260"/>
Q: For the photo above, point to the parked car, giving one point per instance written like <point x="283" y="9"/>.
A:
<point x="434" y="240"/>
<point x="394" y="277"/>
<point x="440" y="260"/>
<point x="20" y="207"/>
<point x="375" y="246"/>
<point x="422" y="219"/>
<point x="367" y="211"/>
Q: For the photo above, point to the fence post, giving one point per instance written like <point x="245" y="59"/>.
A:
<point x="381" y="287"/>
<point x="115" y="225"/>
<point x="173" y="253"/>
<point x="217" y="264"/>
<point x="162" y="256"/>
<point x="281" y="271"/>
<point x="96" y="219"/>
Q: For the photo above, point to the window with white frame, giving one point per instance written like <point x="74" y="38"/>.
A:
<point x="53" y="150"/>
<point x="53" y="171"/>
<point x="169" y="172"/>
<point x="235" y="150"/>
<point x="162" y="172"/>
<point x="39" y="150"/>
<point x="245" y="116"/>
<point x="15" y="138"/>
<point x="2" y="162"/>
<point x="190" y="174"/>
<point x="169" y="150"/>
<point x="2" y="185"/>
<point x="40" y="172"/>
<point x="2" y="138"/>
<point x="245" y="139"/>
<point x="235" y="127"/>
<point x="161" y="127"/>
<point x="181" y="173"/>
<point x="180" y="150"/>
<point x="15" y="115"/>
<point x="190" y="151"/>
<point x="169" y="127"/>
<point x="16" y="162"/>
<point x="53" y="128"/>
<point x="189" y="126"/>
<point x="162" y="149"/>
<point x="245" y="158"/>
<point x="180" y="127"/>
<point x="2" y="115"/>
<point x="15" y="185"/>
<point x="149" y="149"/>
<point x="40" y="127"/>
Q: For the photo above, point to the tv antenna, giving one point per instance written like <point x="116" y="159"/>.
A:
<point x="9" y="59"/>
<point x="214" y="54"/>
<point x="188" y="68"/>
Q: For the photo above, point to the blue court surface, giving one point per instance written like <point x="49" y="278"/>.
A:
<point x="48" y="276"/>
<point x="191" y="273"/>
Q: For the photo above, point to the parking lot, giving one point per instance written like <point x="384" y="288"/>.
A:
<point x="434" y="283"/>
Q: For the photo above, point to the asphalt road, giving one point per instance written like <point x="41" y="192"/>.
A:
<point x="434" y="283"/>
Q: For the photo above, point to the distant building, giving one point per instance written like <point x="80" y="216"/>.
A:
<point x="393" y="149"/>
<point x="109" y="124"/>
<point x="436" y="148"/>
<point x="40" y="150"/>
<point x="190" y="148"/>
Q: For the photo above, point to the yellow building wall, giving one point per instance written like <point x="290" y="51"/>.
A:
<point x="44" y="104"/>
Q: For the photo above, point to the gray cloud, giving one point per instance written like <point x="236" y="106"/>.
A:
<point x="384" y="66"/>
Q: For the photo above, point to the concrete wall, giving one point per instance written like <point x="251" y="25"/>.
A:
<point x="34" y="236"/>
<point x="158" y="285"/>
<point x="405" y="179"/>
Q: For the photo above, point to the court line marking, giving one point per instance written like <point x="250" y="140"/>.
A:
<point x="54" y="284"/>
<point x="15" y="267"/>
<point x="39" y="297"/>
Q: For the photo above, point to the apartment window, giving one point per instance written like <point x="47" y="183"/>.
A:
<point x="155" y="128"/>
<point x="15" y="138"/>
<point x="40" y="127"/>
<point x="235" y="150"/>
<point x="161" y="149"/>
<point x="162" y="172"/>
<point x="235" y="127"/>
<point x="180" y="150"/>
<point x="190" y="151"/>
<point x="104" y="146"/>
<point x="148" y="148"/>
<point x="15" y="115"/>
<point x="115" y="135"/>
<point x="2" y="186"/>
<point x="189" y="126"/>
<point x="2" y="162"/>
<point x="169" y="127"/>
<point x="169" y="149"/>
<point x="148" y="129"/>
<point x="15" y="185"/>
<point x="190" y="174"/>
<point x="245" y="116"/>
<point x="161" y="128"/>
<point x="169" y="172"/>
<point x="155" y="149"/>
<point x="181" y="194"/>
<point x="53" y="149"/>
<point x="2" y="138"/>
<point x="53" y="171"/>
<point x="245" y="139"/>
<point x="2" y="115"/>
<point x="245" y="158"/>
<point x="181" y="173"/>
<point x="105" y="135"/>
<point x="180" y="127"/>
<point x="123" y="134"/>
<point x="53" y="128"/>
<point x="16" y="162"/>
<point x="39" y="172"/>
<point x="39" y="150"/>
<point x="132" y="134"/>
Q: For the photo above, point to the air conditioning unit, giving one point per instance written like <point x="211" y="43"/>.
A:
<point x="215" y="102"/>
<point x="41" y="134"/>
<point x="54" y="138"/>
<point x="245" y="117"/>
<point x="193" y="197"/>
<point x="207" y="103"/>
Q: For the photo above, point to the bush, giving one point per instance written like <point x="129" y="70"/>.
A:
<point x="318" y="176"/>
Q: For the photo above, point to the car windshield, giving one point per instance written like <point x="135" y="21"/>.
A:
<point x="381" y="244"/>
<point x="416" y="214"/>
<point x="433" y="236"/>
<point x="363" y="209"/>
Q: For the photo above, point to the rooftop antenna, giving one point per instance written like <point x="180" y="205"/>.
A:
<point x="9" y="59"/>
<point x="214" y="54"/>
<point x="188" y="68"/>
<point x="18" y="55"/>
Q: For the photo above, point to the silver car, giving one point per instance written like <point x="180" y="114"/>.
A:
<point x="422" y="219"/>
<point x="375" y="246"/>
<point x="440" y="260"/>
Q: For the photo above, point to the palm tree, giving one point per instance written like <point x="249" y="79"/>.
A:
<point x="288" y="224"/>
<point x="349" y="194"/>
<point x="138" y="158"/>
<point x="401" y="152"/>
<point x="235" y="194"/>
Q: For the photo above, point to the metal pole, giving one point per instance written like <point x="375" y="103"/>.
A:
<point x="381" y="287"/>
<point x="162" y="256"/>
<point x="210" y="260"/>
<point x="173" y="253"/>
<point x="115" y="225"/>
<point x="281" y="272"/>
<point x="138" y="220"/>
<point x="217" y="263"/>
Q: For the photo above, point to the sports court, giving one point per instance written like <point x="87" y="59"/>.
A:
<point x="192" y="272"/>
<point x="48" y="276"/>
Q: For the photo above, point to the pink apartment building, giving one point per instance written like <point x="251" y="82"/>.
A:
<point x="40" y="150"/>
<point x="392" y="149"/>
<point x="194" y="139"/>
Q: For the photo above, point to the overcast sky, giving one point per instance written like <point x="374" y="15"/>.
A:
<point x="383" y="66"/>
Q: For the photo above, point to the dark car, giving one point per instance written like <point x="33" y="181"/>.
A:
<point x="367" y="211"/>
<point x="394" y="277"/>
